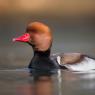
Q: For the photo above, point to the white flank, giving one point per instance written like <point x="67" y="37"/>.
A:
<point x="86" y="65"/>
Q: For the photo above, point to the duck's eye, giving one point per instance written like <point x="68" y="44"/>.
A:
<point x="29" y="30"/>
<point x="33" y="30"/>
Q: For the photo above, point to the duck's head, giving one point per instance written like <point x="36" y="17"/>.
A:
<point x="38" y="35"/>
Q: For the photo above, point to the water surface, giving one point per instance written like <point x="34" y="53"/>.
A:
<point x="62" y="82"/>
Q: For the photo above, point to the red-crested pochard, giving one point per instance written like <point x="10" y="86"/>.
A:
<point x="39" y="36"/>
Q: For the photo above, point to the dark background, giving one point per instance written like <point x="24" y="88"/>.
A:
<point x="72" y="23"/>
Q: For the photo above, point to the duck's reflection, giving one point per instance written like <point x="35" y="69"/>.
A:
<point x="40" y="83"/>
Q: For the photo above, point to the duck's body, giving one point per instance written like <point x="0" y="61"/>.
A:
<point x="85" y="64"/>
<point x="39" y="36"/>
<point x="43" y="61"/>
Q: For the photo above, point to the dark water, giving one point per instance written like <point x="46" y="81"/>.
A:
<point x="22" y="82"/>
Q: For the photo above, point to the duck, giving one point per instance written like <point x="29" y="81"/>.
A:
<point x="39" y="36"/>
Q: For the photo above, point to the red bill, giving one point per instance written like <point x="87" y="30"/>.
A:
<point x="24" y="38"/>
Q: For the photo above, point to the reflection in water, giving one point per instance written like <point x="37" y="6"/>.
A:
<point x="63" y="82"/>
<point x="59" y="82"/>
<point x="40" y="84"/>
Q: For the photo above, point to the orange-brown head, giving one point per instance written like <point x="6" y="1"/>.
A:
<point x="38" y="35"/>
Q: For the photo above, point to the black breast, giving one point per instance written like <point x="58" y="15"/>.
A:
<point x="43" y="63"/>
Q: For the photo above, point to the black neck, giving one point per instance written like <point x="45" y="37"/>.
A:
<point x="42" y="53"/>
